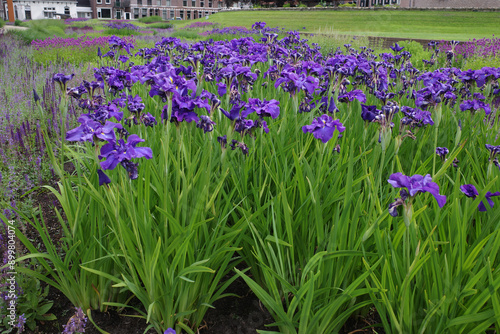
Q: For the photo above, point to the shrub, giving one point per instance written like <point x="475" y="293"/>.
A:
<point x="286" y="5"/>
<point x="18" y="23"/>
<point x="2" y="23"/>
<point x="302" y="5"/>
<point x="347" y="5"/>
<point x="161" y="25"/>
<point x="150" y="19"/>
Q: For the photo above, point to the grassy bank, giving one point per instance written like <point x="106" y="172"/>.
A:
<point x="439" y="25"/>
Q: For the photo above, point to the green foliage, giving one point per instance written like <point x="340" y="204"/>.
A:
<point x="18" y="23"/>
<point x="418" y="53"/>
<point x="150" y="19"/>
<point x="286" y="5"/>
<point x="347" y="5"/>
<point x="160" y="25"/>
<point x="40" y="30"/>
<point x="432" y="25"/>
<point x="478" y="62"/>
<point x="302" y="5"/>
<point x="2" y="23"/>
<point x="187" y="34"/>
<point x="120" y="32"/>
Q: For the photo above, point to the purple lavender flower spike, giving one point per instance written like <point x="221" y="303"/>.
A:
<point x="323" y="127"/>
<point x="77" y="323"/>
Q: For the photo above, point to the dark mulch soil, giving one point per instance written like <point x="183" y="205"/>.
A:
<point x="231" y="315"/>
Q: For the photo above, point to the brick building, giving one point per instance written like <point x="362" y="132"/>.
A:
<point x="432" y="3"/>
<point x="166" y="9"/>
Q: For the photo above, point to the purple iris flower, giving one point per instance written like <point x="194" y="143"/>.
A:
<point x="417" y="183"/>
<point x="91" y="128"/>
<point x="221" y="89"/>
<point x="494" y="150"/>
<point x="118" y="43"/>
<point x="474" y="105"/>
<point x="442" y="152"/>
<point x="396" y="47"/>
<point x="62" y="80"/>
<point x="258" y="25"/>
<point x="263" y="108"/>
<point x="323" y="127"/>
<point x="103" y="178"/>
<point x="119" y="151"/>
<point x="355" y="94"/>
<point x="470" y="191"/>
<point x="369" y="113"/>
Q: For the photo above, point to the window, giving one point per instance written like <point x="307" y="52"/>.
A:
<point x="199" y="13"/>
<point x="104" y="13"/>
<point x="386" y="2"/>
<point x="151" y="12"/>
<point x="158" y="3"/>
<point x="108" y="2"/>
<point x="49" y="12"/>
<point x="184" y="3"/>
<point x="157" y="12"/>
<point x="81" y="15"/>
<point x="144" y="12"/>
<point x="193" y="3"/>
<point x="210" y="3"/>
<point x="202" y="3"/>
<point x="188" y="16"/>
<point x="182" y="14"/>
<point x="164" y="16"/>
<point x="172" y="14"/>
<point x="220" y="5"/>
<point x="139" y="2"/>
<point x="27" y="13"/>
<point x="99" y="2"/>
<point x="66" y="10"/>
<point x="136" y="13"/>
<point x="168" y="3"/>
<point x="150" y="2"/>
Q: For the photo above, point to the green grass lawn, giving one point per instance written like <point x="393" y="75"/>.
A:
<point x="436" y="25"/>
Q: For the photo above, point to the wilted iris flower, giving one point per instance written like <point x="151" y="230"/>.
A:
<point x="206" y="124"/>
<point x="323" y="127"/>
<point x="235" y="144"/>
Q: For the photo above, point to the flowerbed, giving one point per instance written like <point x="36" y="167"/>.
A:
<point x="343" y="181"/>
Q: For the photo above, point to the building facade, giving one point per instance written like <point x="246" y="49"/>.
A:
<point x="37" y="10"/>
<point x="450" y="3"/>
<point x="166" y="9"/>
<point x="432" y="3"/>
<point x="373" y="3"/>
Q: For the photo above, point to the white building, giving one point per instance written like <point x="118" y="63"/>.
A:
<point x="37" y="10"/>
<point x="49" y="9"/>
